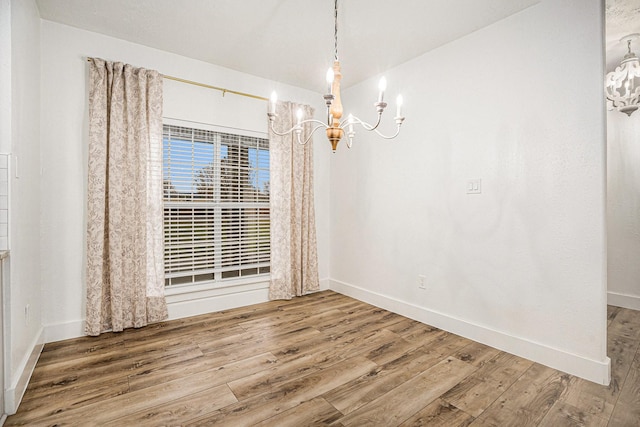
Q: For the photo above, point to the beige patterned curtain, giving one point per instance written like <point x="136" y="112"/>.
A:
<point x="294" y="259"/>
<point x="125" y="272"/>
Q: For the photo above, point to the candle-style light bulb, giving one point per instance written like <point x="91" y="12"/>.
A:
<point x="382" y="85"/>
<point x="399" y="106"/>
<point x="299" y="116"/>
<point x="330" y="77"/>
<point x="273" y="101"/>
<point x="350" y="121"/>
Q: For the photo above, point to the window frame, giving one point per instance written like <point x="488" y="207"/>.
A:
<point x="218" y="282"/>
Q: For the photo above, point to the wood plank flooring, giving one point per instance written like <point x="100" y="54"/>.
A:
<point x="322" y="359"/>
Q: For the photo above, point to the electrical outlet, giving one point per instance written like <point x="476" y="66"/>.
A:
<point x="421" y="281"/>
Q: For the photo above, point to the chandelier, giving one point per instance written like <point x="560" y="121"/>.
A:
<point x="625" y="78"/>
<point x="335" y="128"/>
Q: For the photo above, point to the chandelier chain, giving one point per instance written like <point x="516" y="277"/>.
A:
<point x="335" y="32"/>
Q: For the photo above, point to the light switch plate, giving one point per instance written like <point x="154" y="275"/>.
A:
<point x="474" y="186"/>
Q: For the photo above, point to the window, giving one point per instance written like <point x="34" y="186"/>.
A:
<point x="216" y="205"/>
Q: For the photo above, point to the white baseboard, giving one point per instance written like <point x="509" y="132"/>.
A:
<point x="325" y="284"/>
<point x="592" y="370"/>
<point x="180" y="304"/>
<point x="623" y="300"/>
<point x="187" y="305"/>
<point x="64" y="331"/>
<point x="15" y="391"/>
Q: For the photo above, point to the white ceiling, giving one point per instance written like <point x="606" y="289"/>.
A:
<point x="290" y="41"/>
<point x="622" y="19"/>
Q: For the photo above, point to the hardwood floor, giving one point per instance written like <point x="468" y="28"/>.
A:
<point x="323" y="359"/>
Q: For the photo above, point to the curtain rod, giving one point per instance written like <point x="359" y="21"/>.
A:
<point x="221" y="89"/>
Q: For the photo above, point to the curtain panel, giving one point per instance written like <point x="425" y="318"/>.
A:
<point x="294" y="259"/>
<point x="125" y="271"/>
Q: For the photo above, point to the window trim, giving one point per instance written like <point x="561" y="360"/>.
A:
<point x="214" y="128"/>
<point x="213" y="285"/>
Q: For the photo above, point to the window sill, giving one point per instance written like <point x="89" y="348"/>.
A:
<point x="221" y="287"/>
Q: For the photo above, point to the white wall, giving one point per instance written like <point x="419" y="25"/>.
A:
<point x="623" y="209"/>
<point x="5" y="76"/>
<point x="5" y="147"/>
<point x="522" y="266"/>
<point x="24" y="330"/>
<point x="64" y="142"/>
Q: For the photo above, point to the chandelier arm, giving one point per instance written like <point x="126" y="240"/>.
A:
<point x="299" y="126"/>
<point x="282" y="133"/>
<point x="368" y="127"/>
<point x="364" y="124"/>
<point x="388" y="137"/>
<point x="321" y="125"/>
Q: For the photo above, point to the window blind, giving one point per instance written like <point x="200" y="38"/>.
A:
<point x="216" y="205"/>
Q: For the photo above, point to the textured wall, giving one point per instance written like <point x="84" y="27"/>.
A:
<point x="23" y="290"/>
<point x="521" y="266"/>
<point x="4" y="201"/>
<point x="623" y="208"/>
<point x="64" y="125"/>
